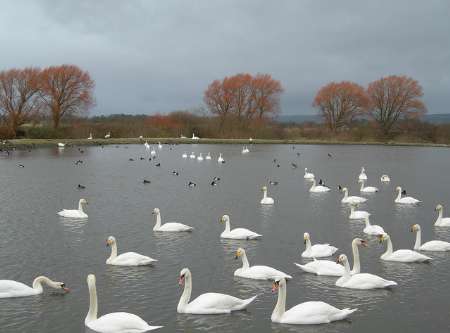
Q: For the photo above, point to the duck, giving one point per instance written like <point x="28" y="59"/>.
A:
<point x="372" y="229"/>
<point x="400" y="255"/>
<point x="405" y="200"/>
<point x="238" y="233"/>
<point x="108" y="135"/>
<point x="192" y="156"/>
<point x="317" y="250"/>
<point x="441" y="221"/>
<point x="362" y="175"/>
<point x="169" y="226"/>
<point x="81" y="187"/>
<point x="318" y="188"/>
<point x="75" y="213"/>
<point x="10" y="288"/>
<point x="307" y="313"/>
<point x="245" y="150"/>
<point x="208" y="156"/>
<point x="115" y="322"/>
<point x="208" y="303"/>
<point x="308" y="175"/>
<point x="266" y="200"/>
<point x="367" y="189"/>
<point x="330" y="267"/>
<point x="385" y="178"/>
<point x="184" y="155"/>
<point x="126" y="259"/>
<point x="200" y="157"/>
<point x="363" y="281"/>
<point x="256" y="272"/>
<point x="434" y="245"/>
<point x="351" y="199"/>
<point x="146" y="181"/>
<point x="357" y="214"/>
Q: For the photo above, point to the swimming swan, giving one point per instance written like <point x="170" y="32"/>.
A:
<point x="200" y="157"/>
<point x="308" y="175"/>
<point x="434" y="245"/>
<point x="351" y="199"/>
<point x="256" y="272"/>
<point x="192" y="156"/>
<point x="317" y="250"/>
<point x="363" y="281"/>
<point x="115" y="322"/>
<point x="318" y="188"/>
<point x="245" y="150"/>
<point x="146" y="145"/>
<point x="266" y="200"/>
<point x="10" y="288"/>
<point x="400" y="255"/>
<point x="357" y="214"/>
<point x="330" y="267"/>
<point x="75" y="213"/>
<point x="126" y="259"/>
<point x="441" y="221"/>
<point x="372" y="229"/>
<point x="208" y="157"/>
<point x="238" y="233"/>
<point x="385" y="179"/>
<point x="184" y="155"/>
<point x="306" y="313"/>
<point x="362" y="175"/>
<point x="367" y="189"/>
<point x="169" y="226"/>
<point x="404" y="200"/>
<point x="208" y="303"/>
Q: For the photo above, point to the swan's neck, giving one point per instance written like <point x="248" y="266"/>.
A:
<point x="37" y="283"/>
<point x="308" y="244"/>
<point x="280" y="307"/>
<point x="158" y="220"/>
<point x="345" y="193"/>
<point x="367" y="222"/>
<point x="264" y="194"/>
<point x="80" y="207"/>
<point x="356" y="262"/>
<point x="113" y="251"/>
<point x="347" y="274"/>
<point x="352" y="209"/>
<point x="389" y="249"/>
<point x="362" y="185"/>
<point x="245" y="263"/>
<point x="227" y="226"/>
<point x="399" y="195"/>
<point x="186" y="296"/>
<point x="418" y="239"/>
<point x="313" y="184"/>
<point x="440" y="214"/>
<point x="93" y="306"/>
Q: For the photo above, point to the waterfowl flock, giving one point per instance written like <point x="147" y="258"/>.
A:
<point x="316" y="254"/>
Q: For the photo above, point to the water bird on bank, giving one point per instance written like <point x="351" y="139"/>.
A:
<point x="237" y="233"/>
<point x="266" y="200"/>
<point x="195" y="137"/>
<point x="434" y="245"/>
<point x="441" y="221"/>
<point x="145" y="181"/>
<point x="90" y="136"/>
<point x="75" y="213"/>
<point x="403" y="199"/>
<point x="61" y="145"/>
<point x="400" y="255"/>
<point x="169" y="226"/>
<point x="108" y="135"/>
<point x="316" y="250"/>
<point x="10" y="288"/>
<point x="258" y="272"/>
<point x="127" y="258"/>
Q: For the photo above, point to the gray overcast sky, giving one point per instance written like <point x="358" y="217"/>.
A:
<point x="157" y="56"/>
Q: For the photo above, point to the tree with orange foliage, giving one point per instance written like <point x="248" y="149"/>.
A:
<point x="66" y="90"/>
<point x="19" y="98"/>
<point x="394" y="98"/>
<point x="339" y="103"/>
<point x="266" y="95"/>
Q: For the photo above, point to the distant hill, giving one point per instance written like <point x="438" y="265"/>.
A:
<point x="443" y="118"/>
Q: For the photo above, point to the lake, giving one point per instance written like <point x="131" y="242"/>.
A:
<point x="34" y="240"/>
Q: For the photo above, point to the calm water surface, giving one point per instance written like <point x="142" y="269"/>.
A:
<point x="35" y="241"/>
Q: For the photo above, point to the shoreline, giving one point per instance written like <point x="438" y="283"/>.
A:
<point x="27" y="143"/>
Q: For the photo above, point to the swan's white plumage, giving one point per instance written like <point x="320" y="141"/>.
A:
<point x="405" y="200"/>
<point x="317" y="250"/>
<point x="168" y="226"/>
<point x="351" y="199"/>
<point x="372" y="229"/>
<point x="318" y="188"/>
<point x="127" y="258"/>
<point x="441" y="221"/>
<point x="238" y="233"/>
<point x="258" y="272"/>
<point x="433" y="245"/>
<point x="75" y="213"/>
<point x="266" y="200"/>
<point x="308" y="175"/>
<point x="367" y="189"/>
<point x="400" y="255"/>
<point x="357" y="214"/>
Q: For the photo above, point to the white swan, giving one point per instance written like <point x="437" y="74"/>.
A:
<point x="306" y="313"/>
<point x="434" y="245"/>
<point x="238" y="233"/>
<point x="351" y="199"/>
<point x="245" y="150"/>
<point x="330" y="267"/>
<point x="195" y="137"/>
<point x="126" y="259"/>
<point x="357" y="214"/>
<point x="160" y="146"/>
<point x="116" y="322"/>
<point x="208" y="157"/>
<point x="169" y="226"/>
<point x="256" y="272"/>
<point x="184" y="155"/>
<point x="318" y="188"/>
<point x="75" y="213"/>
<point x="372" y="229"/>
<point x="441" y="221"/>
<point x="404" y="200"/>
<point x="308" y="175"/>
<point x="10" y="288"/>
<point x="266" y="200"/>
<point x="367" y="189"/>
<point x="90" y="136"/>
<point x="200" y="157"/>
<point x="108" y="135"/>
<point x="61" y="145"/>
<point x="385" y="179"/>
<point x="400" y="255"/>
<point x="362" y="175"/>
<point x="209" y="303"/>
<point x="192" y="156"/>
<point x="146" y="145"/>
<point x="317" y="250"/>
<point x="152" y="152"/>
<point x="361" y="280"/>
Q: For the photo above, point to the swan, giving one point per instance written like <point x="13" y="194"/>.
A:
<point x="434" y="245"/>
<point x="208" y="157"/>
<point x="245" y="150"/>
<point x="330" y="267"/>
<point x="10" y="288"/>
<point x="357" y="214"/>
<point x="61" y="145"/>
<point x="362" y="175"/>
<point x="316" y="250"/>
<point x="200" y="157"/>
<point x="146" y="145"/>
<point x="306" y="313"/>
<point x="169" y="226"/>
<point x="238" y="233"/>
<point x="184" y="155"/>
<point x="192" y="156"/>
<point x="115" y="322"/>
<point x="126" y="259"/>
<point x="75" y="213"/>
<point x="400" y="255"/>
<point x="220" y="159"/>
<point x="372" y="229"/>
<point x="308" y="175"/>
<point x="385" y="179"/>
<point x="266" y="200"/>
<point x="152" y="152"/>
<point x="208" y="303"/>
<point x="404" y="200"/>
<point x="351" y="199"/>
<point x="195" y="137"/>
<point x="367" y="189"/>
<point x="361" y="280"/>
<point x="108" y="135"/>
<point x="318" y="188"/>
<point x="90" y="136"/>
<point x="159" y="145"/>
<point x="441" y="221"/>
<point x="256" y="272"/>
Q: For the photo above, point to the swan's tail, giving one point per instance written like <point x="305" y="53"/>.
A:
<point x="304" y="268"/>
<point x="344" y="313"/>
<point x="391" y="283"/>
<point x="256" y="236"/>
<point x="151" y="328"/>
<point x="245" y="303"/>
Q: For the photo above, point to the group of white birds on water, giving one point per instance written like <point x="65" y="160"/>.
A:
<point x="313" y="312"/>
